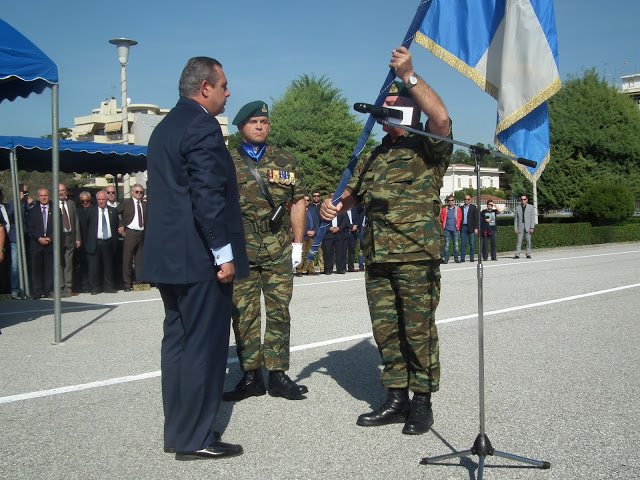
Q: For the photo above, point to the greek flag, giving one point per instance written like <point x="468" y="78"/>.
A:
<point x="509" y="48"/>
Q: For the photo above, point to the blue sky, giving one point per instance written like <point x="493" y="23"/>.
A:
<point x="264" y="45"/>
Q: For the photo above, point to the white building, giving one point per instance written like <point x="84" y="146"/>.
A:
<point x="104" y="125"/>
<point x="461" y="176"/>
<point x="631" y="87"/>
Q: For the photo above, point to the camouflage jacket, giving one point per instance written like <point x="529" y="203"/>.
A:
<point x="281" y="174"/>
<point x="400" y="184"/>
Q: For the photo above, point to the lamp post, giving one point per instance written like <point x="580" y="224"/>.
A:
<point x="123" y="45"/>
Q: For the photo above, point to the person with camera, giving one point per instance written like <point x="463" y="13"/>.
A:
<point x="272" y="200"/>
<point x="489" y="230"/>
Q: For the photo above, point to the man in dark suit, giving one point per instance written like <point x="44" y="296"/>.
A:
<point x="194" y="245"/>
<point x="334" y="244"/>
<point x="71" y="239"/>
<point x="83" y="283"/>
<point x="40" y="229"/>
<point x="468" y="228"/>
<point x="133" y="213"/>
<point x="351" y="233"/>
<point x="102" y="234"/>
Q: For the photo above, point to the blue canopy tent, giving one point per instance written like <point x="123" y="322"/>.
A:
<point x="33" y="154"/>
<point x="25" y="69"/>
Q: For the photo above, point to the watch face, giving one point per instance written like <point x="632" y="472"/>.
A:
<point x="413" y="80"/>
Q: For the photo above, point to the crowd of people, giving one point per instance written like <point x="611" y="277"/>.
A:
<point x="461" y="223"/>
<point x="101" y="242"/>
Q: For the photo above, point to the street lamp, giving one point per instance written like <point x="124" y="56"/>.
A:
<point x="123" y="45"/>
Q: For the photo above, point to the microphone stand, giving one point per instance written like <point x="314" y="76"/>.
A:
<point x="481" y="446"/>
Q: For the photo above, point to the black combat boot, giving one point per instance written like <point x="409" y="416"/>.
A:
<point x="250" y="385"/>
<point x="420" y="416"/>
<point x="280" y="385"/>
<point x="394" y="410"/>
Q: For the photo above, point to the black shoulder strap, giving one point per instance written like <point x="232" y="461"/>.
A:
<point x="251" y="164"/>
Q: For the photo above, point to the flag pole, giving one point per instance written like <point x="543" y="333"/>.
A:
<point x="366" y="132"/>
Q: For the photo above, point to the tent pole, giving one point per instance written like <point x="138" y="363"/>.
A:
<point x="57" y="241"/>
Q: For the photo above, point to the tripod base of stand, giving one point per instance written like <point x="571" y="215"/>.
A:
<point x="482" y="447"/>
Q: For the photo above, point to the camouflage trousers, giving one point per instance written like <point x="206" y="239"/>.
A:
<point x="275" y="281"/>
<point x="403" y="298"/>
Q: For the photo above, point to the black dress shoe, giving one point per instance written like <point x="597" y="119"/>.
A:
<point x="528" y="256"/>
<point x="394" y="410"/>
<point x="420" y="416"/>
<point x="214" y="451"/>
<point x="127" y="289"/>
<point x="111" y="290"/>
<point x="515" y="257"/>
<point x="280" y="385"/>
<point x="250" y="385"/>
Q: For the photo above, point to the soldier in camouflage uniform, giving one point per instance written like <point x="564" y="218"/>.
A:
<point x="399" y="184"/>
<point x="271" y="257"/>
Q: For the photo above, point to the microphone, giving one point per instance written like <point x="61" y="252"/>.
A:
<point x="378" y="112"/>
<point x="527" y="162"/>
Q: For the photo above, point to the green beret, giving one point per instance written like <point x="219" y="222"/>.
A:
<point x="398" y="88"/>
<point x="251" y="109"/>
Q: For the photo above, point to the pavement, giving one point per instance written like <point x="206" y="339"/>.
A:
<point x="561" y="343"/>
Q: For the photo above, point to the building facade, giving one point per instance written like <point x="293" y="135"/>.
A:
<point x="460" y="176"/>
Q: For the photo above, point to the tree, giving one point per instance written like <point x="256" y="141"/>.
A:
<point x="604" y="204"/>
<point x="313" y="121"/>
<point x="595" y="138"/>
<point x="64" y="133"/>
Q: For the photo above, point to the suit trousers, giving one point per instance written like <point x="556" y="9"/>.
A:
<point x="131" y="247"/>
<point x="41" y="270"/>
<point x="350" y="244"/>
<point x="522" y="232"/>
<point x="101" y="264"/>
<point x="67" y="260"/>
<point x="193" y="360"/>
<point x="333" y="244"/>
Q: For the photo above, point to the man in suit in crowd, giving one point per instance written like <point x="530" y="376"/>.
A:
<point x="71" y="239"/>
<point x="194" y="247"/>
<point x="334" y="246"/>
<point x="101" y="225"/>
<point x="468" y="228"/>
<point x="83" y="283"/>
<point x="5" y="246"/>
<point x="314" y="208"/>
<point x="310" y="227"/>
<point x="524" y="222"/>
<point x="351" y="237"/>
<point x="133" y="212"/>
<point x="40" y="228"/>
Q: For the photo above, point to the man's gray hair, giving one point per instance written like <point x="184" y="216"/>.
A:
<point x="137" y="185"/>
<point x="84" y="194"/>
<point x="197" y="70"/>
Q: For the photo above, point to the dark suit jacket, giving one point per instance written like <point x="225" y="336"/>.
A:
<point x="472" y="217"/>
<point x="127" y="211"/>
<point x="343" y="221"/>
<point x="35" y="228"/>
<point x="91" y="228"/>
<point x="73" y="220"/>
<point x="193" y="199"/>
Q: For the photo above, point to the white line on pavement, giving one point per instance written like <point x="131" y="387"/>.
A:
<point x="143" y="376"/>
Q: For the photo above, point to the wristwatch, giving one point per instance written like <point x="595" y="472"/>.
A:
<point x="412" y="81"/>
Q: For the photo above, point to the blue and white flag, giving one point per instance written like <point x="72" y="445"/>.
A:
<point x="509" y="48"/>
